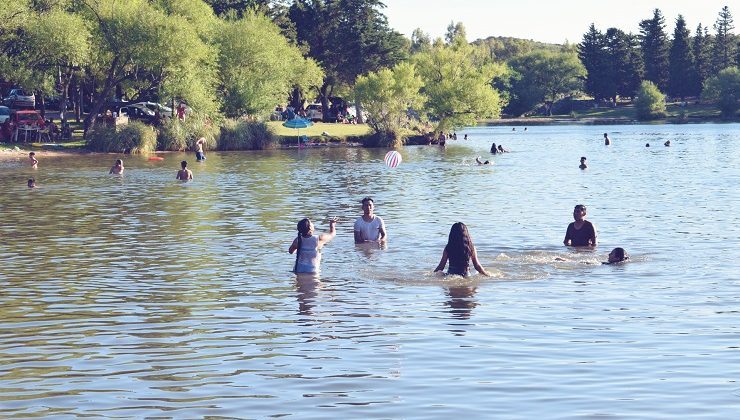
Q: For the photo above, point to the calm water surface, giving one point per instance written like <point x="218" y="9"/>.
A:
<point x="139" y="296"/>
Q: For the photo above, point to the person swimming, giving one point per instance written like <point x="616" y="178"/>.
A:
<point x="480" y="162"/>
<point x="617" y="255"/>
<point x="494" y="149"/>
<point x="460" y="251"/>
<point x="583" y="163"/>
<point x="667" y="143"/>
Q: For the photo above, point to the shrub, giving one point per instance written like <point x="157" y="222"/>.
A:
<point x="179" y="135"/>
<point x="650" y="102"/>
<point x="246" y="135"/>
<point x="392" y="140"/>
<point x="134" y="137"/>
<point x="725" y="89"/>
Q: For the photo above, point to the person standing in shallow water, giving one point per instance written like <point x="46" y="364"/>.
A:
<point x="308" y="246"/>
<point x="581" y="232"/>
<point x="184" y="174"/>
<point x="607" y="141"/>
<point x="369" y="227"/>
<point x="460" y="251"/>
<point x="583" y="163"/>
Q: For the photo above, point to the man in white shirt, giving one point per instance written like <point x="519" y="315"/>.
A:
<point x="369" y="227"/>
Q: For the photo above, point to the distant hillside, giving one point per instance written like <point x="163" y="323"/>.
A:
<point x="505" y="48"/>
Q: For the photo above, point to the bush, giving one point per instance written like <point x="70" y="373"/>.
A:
<point x="134" y="137"/>
<point x="179" y="135"/>
<point x="246" y="135"/>
<point x="650" y="102"/>
<point x="725" y="89"/>
<point x="385" y="139"/>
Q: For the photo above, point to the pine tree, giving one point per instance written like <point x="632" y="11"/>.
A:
<point x="592" y="52"/>
<point x="654" y="43"/>
<point x="723" y="53"/>
<point x="701" y="51"/>
<point x="624" y="63"/>
<point x="681" y="62"/>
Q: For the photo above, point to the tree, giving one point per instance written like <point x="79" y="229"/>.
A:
<point x="654" y="42"/>
<point x="650" y="102"/>
<point x="387" y="95"/>
<point x="593" y="55"/>
<point x="724" y="42"/>
<point x="458" y="91"/>
<point x="624" y="64"/>
<point x="545" y="76"/>
<point x="258" y="67"/>
<point x="725" y="89"/>
<point x="456" y="34"/>
<point x="681" y="62"/>
<point x="702" y="59"/>
<point x="420" y="41"/>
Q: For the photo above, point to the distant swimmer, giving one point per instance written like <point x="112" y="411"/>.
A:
<point x="494" y="149"/>
<point x="502" y="150"/>
<point x="581" y="232"/>
<point x="117" y="168"/>
<point x="199" y="155"/>
<point x="647" y="144"/>
<point x="525" y="128"/>
<point x="667" y="143"/>
<point x="184" y="174"/>
<point x="607" y="141"/>
<point x="460" y="251"/>
<point x="513" y="128"/>
<point x="466" y="137"/>
<point x="32" y="158"/>
<point x="308" y="246"/>
<point x="617" y="255"/>
<point x="477" y="159"/>
<point x="583" y="163"/>
<point x="31" y="183"/>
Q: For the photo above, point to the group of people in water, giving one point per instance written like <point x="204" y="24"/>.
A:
<point x="457" y="255"/>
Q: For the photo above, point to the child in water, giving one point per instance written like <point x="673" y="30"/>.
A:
<point x="308" y="245"/>
<point x="34" y="161"/>
<point x="583" y="163"/>
<point x="31" y="183"/>
<point x="117" y="168"/>
<point x="617" y="255"/>
<point x="460" y="251"/>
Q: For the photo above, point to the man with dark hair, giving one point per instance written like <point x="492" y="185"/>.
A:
<point x="369" y="227"/>
<point x="581" y="232"/>
<point x="184" y="174"/>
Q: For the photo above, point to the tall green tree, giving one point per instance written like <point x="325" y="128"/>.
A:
<point x="420" y="41"/>
<point x="654" y="42"/>
<point x="457" y="89"/>
<point x="681" y="62"/>
<point x="700" y="47"/>
<point x="723" y="53"/>
<point x="456" y="34"/>
<point x="624" y="64"/>
<point x="545" y="77"/>
<point x="593" y="54"/>
<point x="725" y="89"/>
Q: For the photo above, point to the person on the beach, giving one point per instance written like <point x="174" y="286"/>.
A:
<point x="607" y="141"/>
<point x="617" y="255"/>
<point x="31" y="183"/>
<point x="494" y="149"/>
<point x="581" y="232"/>
<point x="199" y="155"/>
<point x="460" y="251"/>
<point x="33" y="160"/>
<point x="184" y="174"/>
<point x="117" y="168"/>
<point x="583" y="163"/>
<point x="308" y="258"/>
<point x="480" y="162"/>
<point x="369" y="227"/>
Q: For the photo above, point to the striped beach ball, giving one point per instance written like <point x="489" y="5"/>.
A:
<point x="393" y="159"/>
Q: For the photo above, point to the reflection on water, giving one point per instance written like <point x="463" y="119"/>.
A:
<point x="137" y="296"/>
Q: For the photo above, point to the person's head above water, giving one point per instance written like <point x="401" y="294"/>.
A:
<point x="579" y="212"/>
<point x="368" y="206"/>
<point x="31" y="183"/>
<point x="618" y="255"/>
<point x="583" y="159"/>
<point x="119" y="162"/>
<point x="184" y="164"/>
<point x="305" y="227"/>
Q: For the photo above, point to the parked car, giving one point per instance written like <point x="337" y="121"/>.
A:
<point x="53" y="102"/>
<point x="4" y="113"/>
<point x="18" y="98"/>
<point x="314" y="112"/>
<point x="164" y="111"/>
<point x="26" y="118"/>
<point x="138" y="113"/>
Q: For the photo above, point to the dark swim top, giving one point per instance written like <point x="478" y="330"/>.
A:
<point x="580" y="237"/>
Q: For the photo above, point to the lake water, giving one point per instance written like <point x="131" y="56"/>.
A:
<point x="139" y="296"/>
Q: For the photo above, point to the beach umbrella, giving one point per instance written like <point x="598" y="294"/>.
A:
<point x="298" y="123"/>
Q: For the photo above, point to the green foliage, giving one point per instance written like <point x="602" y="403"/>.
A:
<point x="387" y="95"/>
<point x="650" y="102"/>
<point x="134" y="137"/>
<point x="654" y="42"/>
<point x="545" y="76"/>
<point x="258" y="67"/>
<point x="246" y="135"/>
<point x="724" y="41"/>
<point x="681" y="62"/>
<point x="506" y="48"/>
<point x="700" y="47"/>
<point x="457" y="87"/>
<point x="725" y="89"/>
<point x="177" y="135"/>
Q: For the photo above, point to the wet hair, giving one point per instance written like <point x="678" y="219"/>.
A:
<point x="579" y="207"/>
<point x="583" y="157"/>
<point x="32" y="154"/>
<point x="620" y="253"/>
<point x="184" y="164"/>
<point x="367" y="199"/>
<point x="459" y="245"/>
<point x="494" y="150"/>
<point x="31" y="181"/>
<point x="303" y="227"/>
<point x="605" y="135"/>
<point x="119" y="162"/>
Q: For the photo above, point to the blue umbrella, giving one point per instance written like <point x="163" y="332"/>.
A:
<point x="298" y="123"/>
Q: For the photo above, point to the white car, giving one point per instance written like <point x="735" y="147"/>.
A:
<point x="164" y="111"/>
<point x="4" y="114"/>
<point x="314" y="112"/>
<point x="18" y="98"/>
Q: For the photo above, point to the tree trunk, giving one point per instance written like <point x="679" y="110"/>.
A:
<point x="40" y="94"/>
<point x="358" y="110"/>
<point x="100" y="100"/>
<point x="323" y="97"/>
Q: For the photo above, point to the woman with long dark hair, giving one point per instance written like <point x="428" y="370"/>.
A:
<point x="460" y="251"/>
<point x="308" y="245"/>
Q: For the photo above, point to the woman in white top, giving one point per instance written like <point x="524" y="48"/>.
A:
<point x="308" y="258"/>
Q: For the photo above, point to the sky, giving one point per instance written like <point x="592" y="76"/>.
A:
<point x="553" y="21"/>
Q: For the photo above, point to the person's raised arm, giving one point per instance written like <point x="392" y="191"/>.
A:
<point x="477" y="265"/>
<point x="326" y="237"/>
<point x="442" y="262"/>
